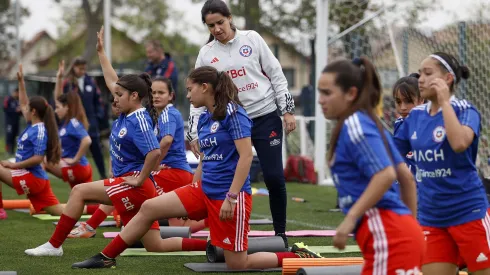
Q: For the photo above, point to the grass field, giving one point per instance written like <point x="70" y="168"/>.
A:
<point x="20" y="231"/>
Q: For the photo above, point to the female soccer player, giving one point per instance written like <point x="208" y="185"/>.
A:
<point x="365" y="163"/>
<point x="407" y="96"/>
<point x="443" y="136"/>
<point x="134" y="154"/>
<point x="257" y="73"/>
<point x="74" y="167"/>
<point x="221" y="186"/>
<point x="173" y="171"/>
<point x="40" y="139"/>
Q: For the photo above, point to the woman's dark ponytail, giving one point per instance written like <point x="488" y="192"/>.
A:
<point x="225" y="91"/>
<point x="361" y="74"/>
<point x="151" y="109"/>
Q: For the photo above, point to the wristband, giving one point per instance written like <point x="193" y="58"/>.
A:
<point x="231" y="195"/>
<point x="231" y="200"/>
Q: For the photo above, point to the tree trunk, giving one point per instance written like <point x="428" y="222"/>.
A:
<point x="251" y="13"/>
<point x="91" y="40"/>
<point x="93" y="21"/>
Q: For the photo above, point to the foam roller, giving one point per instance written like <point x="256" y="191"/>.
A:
<point x="330" y="270"/>
<point x="16" y="204"/>
<point x="169" y="232"/>
<point x="267" y="244"/>
<point x="290" y="266"/>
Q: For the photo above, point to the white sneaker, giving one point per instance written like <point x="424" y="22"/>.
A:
<point x="82" y="231"/>
<point x="46" y="249"/>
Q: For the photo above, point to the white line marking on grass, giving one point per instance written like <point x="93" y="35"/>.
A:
<point x="311" y="225"/>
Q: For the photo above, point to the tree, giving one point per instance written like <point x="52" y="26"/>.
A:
<point x="144" y="18"/>
<point x="250" y="10"/>
<point x="7" y="30"/>
<point x="4" y="5"/>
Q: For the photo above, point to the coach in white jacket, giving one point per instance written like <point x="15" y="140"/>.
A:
<point x="261" y="84"/>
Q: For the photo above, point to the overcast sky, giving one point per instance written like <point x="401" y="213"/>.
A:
<point x="46" y="13"/>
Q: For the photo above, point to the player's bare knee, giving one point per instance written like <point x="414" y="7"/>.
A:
<point x="147" y="210"/>
<point x="151" y="247"/>
<point x="236" y="264"/>
<point x="77" y="191"/>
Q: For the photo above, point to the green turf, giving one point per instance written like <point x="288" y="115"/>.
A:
<point x="20" y="231"/>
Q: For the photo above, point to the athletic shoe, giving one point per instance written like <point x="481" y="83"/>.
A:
<point x="83" y="231"/>
<point x="284" y="238"/>
<point x="97" y="261"/>
<point x="3" y="214"/>
<point x="302" y="251"/>
<point x="46" y="249"/>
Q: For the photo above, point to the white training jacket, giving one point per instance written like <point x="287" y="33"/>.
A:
<point x="255" y="71"/>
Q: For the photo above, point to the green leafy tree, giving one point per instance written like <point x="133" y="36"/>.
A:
<point x="7" y="29"/>
<point x="146" y="19"/>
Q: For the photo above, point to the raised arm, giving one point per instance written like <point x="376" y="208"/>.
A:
<point x="23" y="99"/>
<point x="110" y="74"/>
<point x="58" y="88"/>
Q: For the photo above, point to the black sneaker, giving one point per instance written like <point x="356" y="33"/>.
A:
<point x="285" y="238"/>
<point x="97" y="261"/>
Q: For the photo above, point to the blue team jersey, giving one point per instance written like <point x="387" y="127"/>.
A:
<point x="131" y="139"/>
<point x="450" y="192"/>
<point x="409" y="156"/>
<point x="170" y="123"/>
<point x="359" y="155"/>
<point x="33" y="142"/>
<point x="217" y="142"/>
<point x="71" y="135"/>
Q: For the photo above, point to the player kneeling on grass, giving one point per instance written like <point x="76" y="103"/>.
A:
<point x="39" y="140"/>
<point x="365" y="163"/>
<point x="74" y="167"/>
<point x="221" y="188"/>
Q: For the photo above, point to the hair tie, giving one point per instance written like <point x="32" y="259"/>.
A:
<point x="358" y="62"/>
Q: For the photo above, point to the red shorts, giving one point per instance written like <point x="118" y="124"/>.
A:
<point x="390" y="243"/>
<point x="169" y="179"/>
<point x="76" y="174"/>
<point x="38" y="190"/>
<point x="230" y="235"/>
<point x="469" y="241"/>
<point x="128" y="199"/>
